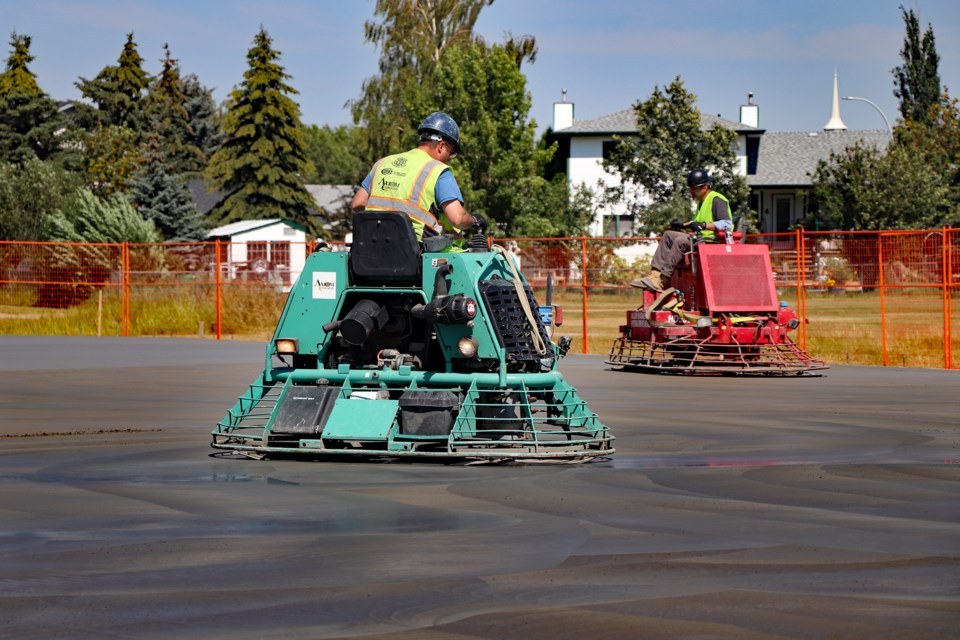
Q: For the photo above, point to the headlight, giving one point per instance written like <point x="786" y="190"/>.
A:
<point x="287" y="345"/>
<point x="468" y="346"/>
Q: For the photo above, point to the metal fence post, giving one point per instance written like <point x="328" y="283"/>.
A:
<point x="883" y="301"/>
<point x="125" y="289"/>
<point x="583" y="251"/>
<point x="218" y="300"/>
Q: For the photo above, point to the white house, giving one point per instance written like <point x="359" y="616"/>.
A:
<point x="777" y="165"/>
<point x="272" y="250"/>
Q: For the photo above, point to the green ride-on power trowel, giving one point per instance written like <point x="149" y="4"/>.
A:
<point x="388" y="351"/>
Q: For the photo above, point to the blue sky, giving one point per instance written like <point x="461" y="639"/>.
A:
<point x="607" y="54"/>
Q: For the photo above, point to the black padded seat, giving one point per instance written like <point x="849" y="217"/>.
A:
<point x="385" y="252"/>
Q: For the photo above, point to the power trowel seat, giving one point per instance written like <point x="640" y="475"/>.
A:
<point x="385" y="250"/>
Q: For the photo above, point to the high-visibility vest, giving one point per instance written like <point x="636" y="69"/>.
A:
<point x="406" y="182"/>
<point x="705" y="212"/>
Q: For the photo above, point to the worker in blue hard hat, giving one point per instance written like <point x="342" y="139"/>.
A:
<point x="713" y="214"/>
<point x="420" y="184"/>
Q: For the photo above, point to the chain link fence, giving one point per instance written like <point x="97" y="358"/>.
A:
<point x="880" y="297"/>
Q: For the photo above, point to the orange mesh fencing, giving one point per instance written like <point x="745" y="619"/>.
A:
<point x="885" y="298"/>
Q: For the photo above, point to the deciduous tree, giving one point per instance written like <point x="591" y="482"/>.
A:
<point x="917" y="80"/>
<point x="333" y="152"/>
<point x="412" y="36"/>
<point x="29" y="191"/>
<point x="501" y="169"/>
<point x="865" y="188"/>
<point x="670" y="142"/>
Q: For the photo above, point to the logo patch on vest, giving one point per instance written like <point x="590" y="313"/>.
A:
<point x="399" y="162"/>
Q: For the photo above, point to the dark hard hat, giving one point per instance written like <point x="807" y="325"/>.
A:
<point x="698" y="177"/>
<point x="439" y="122"/>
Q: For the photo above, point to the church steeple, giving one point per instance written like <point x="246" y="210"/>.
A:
<point x="835" y="123"/>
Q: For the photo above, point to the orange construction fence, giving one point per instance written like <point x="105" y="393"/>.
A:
<point x="868" y="297"/>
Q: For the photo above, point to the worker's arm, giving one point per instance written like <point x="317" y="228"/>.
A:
<point x="360" y="199"/>
<point x="457" y="215"/>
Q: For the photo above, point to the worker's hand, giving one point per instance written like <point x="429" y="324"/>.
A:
<point x="480" y="223"/>
<point x="697" y="226"/>
<point x="676" y="224"/>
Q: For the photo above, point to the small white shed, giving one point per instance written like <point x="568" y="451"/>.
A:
<point x="268" y="250"/>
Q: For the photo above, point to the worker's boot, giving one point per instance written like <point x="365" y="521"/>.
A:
<point x="654" y="281"/>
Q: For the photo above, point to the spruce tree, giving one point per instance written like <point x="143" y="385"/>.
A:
<point x="917" y="80"/>
<point x="29" y="119"/>
<point x="116" y="92"/>
<point x="161" y="195"/>
<point x="263" y="156"/>
<point x="167" y="119"/>
<point x="205" y="132"/>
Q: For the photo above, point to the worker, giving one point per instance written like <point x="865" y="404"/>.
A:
<point x="713" y="214"/>
<point x="420" y="184"/>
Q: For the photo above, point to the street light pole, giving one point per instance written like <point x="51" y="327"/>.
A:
<point x="872" y="104"/>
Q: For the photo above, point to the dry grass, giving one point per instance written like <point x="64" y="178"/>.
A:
<point x="841" y="329"/>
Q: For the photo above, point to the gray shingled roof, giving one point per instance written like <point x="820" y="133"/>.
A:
<point x="788" y="158"/>
<point x="331" y="198"/>
<point x="625" y="122"/>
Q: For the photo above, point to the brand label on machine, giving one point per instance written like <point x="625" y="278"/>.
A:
<point x="324" y="285"/>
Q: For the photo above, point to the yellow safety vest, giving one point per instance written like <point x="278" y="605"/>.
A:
<point x="406" y="182"/>
<point x="705" y="213"/>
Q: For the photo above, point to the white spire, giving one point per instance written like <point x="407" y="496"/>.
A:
<point x="835" y="122"/>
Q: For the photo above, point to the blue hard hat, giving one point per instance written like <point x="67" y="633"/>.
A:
<point x="439" y="122"/>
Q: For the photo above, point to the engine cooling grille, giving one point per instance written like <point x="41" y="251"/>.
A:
<point x="509" y="321"/>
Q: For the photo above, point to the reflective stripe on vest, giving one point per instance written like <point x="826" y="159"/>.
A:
<point x="418" y="200"/>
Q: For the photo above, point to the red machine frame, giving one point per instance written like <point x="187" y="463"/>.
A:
<point x="721" y="315"/>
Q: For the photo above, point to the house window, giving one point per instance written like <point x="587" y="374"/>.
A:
<point x="280" y="251"/>
<point x="753" y="151"/>
<point x="256" y="251"/>
<point x="607" y="148"/>
<point x="618" y="226"/>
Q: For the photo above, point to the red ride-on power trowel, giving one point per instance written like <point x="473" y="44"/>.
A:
<point x="720" y="315"/>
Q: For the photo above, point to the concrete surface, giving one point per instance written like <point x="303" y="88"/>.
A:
<point x="734" y="508"/>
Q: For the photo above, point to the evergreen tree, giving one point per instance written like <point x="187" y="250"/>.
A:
<point x="116" y="92"/>
<point x="88" y="218"/>
<point x="29" y="119"/>
<point x="917" y="80"/>
<point x="167" y="120"/>
<point x="670" y="142"/>
<point x="162" y="196"/>
<point x="263" y="156"/>
<point x="205" y="132"/>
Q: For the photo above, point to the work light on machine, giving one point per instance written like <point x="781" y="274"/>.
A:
<point x="468" y="346"/>
<point x="287" y="346"/>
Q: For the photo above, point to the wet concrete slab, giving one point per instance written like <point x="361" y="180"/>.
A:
<point x="733" y="508"/>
